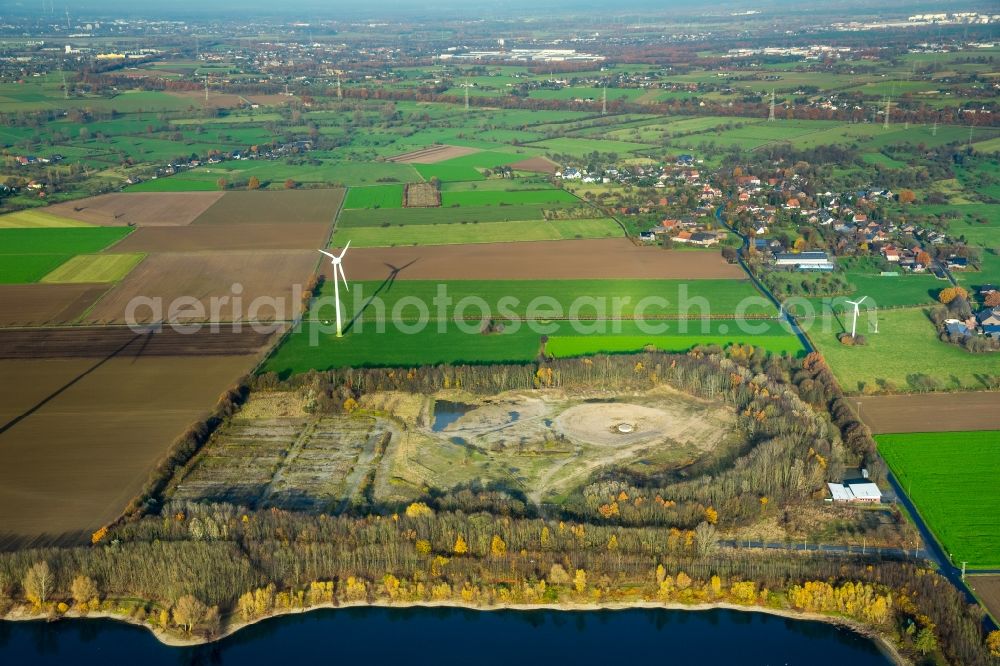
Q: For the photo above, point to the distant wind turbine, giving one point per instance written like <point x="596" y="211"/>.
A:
<point x="338" y="268"/>
<point x="854" y="322"/>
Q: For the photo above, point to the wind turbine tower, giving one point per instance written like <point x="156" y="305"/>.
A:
<point x="770" y="114"/>
<point x="934" y="129"/>
<point x="206" y="87"/>
<point x="854" y="321"/>
<point x="467" y="94"/>
<point x="340" y="91"/>
<point x="888" y="108"/>
<point x="338" y="270"/>
<point x="65" y="87"/>
<point x="604" y="100"/>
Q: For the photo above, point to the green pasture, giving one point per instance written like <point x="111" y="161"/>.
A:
<point x="951" y="477"/>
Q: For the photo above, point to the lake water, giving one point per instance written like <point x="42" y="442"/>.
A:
<point x="414" y="636"/>
<point x="446" y="413"/>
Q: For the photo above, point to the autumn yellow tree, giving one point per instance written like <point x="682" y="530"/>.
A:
<point x="711" y="516"/>
<point x="923" y="258"/>
<point x="948" y="294"/>
<point x="253" y="183"/>
<point x="580" y="580"/>
<point x="907" y="196"/>
<point x="498" y="547"/>
<point x="993" y="643"/>
<point x="418" y="509"/>
<point x="992" y="299"/>
<point x="461" y="548"/>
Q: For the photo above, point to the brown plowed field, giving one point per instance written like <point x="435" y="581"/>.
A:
<point x="38" y="304"/>
<point x="988" y="589"/>
<point x="543" y="260"/>
<point x="143" y="209"/>
<point x="81" y="342"/>
<point x="536" y="164"/>
<point x="931" y="412"/>
<point x="432" y="155"/>
<point x="288" y="236"/>
<point x="29" y="381"/>
<point x="74" y="462"/>
<point x="206" y="275"/>
<point x="267" y="207"/>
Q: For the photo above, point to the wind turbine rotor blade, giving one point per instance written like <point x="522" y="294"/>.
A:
<point x="862" y="300"/>
<point x="329" y="254"/>
<point x="344" y="251"/>
<point x="343" y="277"/>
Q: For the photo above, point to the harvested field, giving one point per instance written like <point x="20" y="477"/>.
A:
<point x="931" y="412"/>
<point x="143" y="209"/>
<point x="554" y="260"/>
<point x="421" y="195"/>
<point x="102" y="342"/>
<point x="433" y="155"/>
<point x="266" y="207"/>
<point x="198" y="237"/>
<point x="38" y="304"/>
<point x="207" y="276"/>
<point x="29" y="381"/>
<point x="987" y="588"/>
<point x="536" y="164"/>
<point x="73" y="464"/>
<point x="94" y="268"/>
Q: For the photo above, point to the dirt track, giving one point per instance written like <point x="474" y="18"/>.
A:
<point x="576" y="259"/>
<point x="80" y="342"/>
<point x="197" y="237"/>
<point x="143" y="209"/>
<point x="38" y="304"/>
<point x="432" y="155"/>
<point x="931" y="412"/>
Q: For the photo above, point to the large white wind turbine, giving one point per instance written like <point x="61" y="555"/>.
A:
<point x="854" y="322"/>
<point x="338" y="269"/>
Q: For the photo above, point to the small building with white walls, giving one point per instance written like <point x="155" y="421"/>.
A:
<point x="855" y="491"/>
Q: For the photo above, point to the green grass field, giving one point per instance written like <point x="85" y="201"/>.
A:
<point x="28" y="255"/>
<point x="905" y="346"/>
<point x="315" y="346"/>
<point x="670" y="298"/>
<point x="67" y="241"/>
<point x="175" y="184"/>
<point x="95" y="268"/>
<point x="35" y="219"/>
<point x="481" y="232"/>
<point x="385" y="217"/>
<point x="507" y="198"/>
<point x="375" y="196"/>
<point x="951" y="477"/>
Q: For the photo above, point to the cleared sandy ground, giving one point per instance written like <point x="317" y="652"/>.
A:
<point x="202" y="276"/>
<point x="74" y="463"/>
<point x="555" y="260"/>
<point x="143" y="209"/>
<point x="433" y="155"/>
<point x="38" y="304"/>
<point x="931" y="412"/>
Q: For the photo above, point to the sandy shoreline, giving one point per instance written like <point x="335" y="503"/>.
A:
<point x="887" y="648"/>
